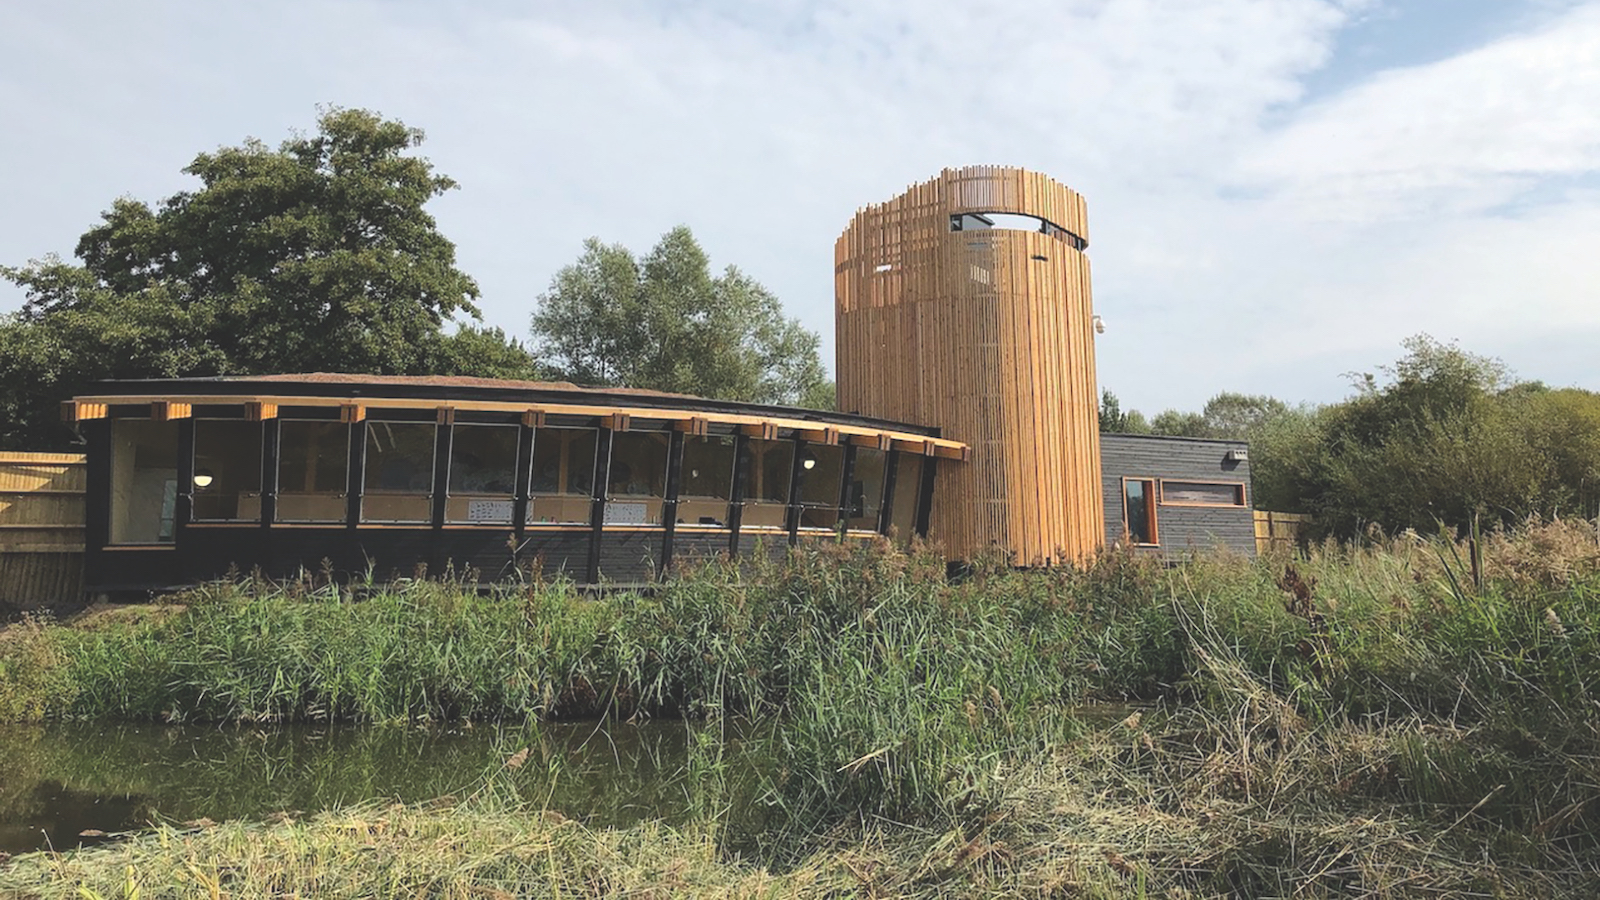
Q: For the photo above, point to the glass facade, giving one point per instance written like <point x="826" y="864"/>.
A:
<point x="907" y="490"/>
<point x="483" y="474"/>
<point x="864" y="501"/>
<point x="766" y="497"/>
<point x="821" y="474"/>
<point x="638" y="481"/>
<point x="786" y="483"/>
<point x="398" y="483"/>
<point x="707" y="483"/>
<point x="227" y="470"/>
<point x="563" y="475"/>
<point x="144" y="481"/>
<point x="313" y="468"/>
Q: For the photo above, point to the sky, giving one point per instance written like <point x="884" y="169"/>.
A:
<point x="1279" y="191"/>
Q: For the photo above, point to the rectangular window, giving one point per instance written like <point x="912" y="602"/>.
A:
<point x="821" y="474"/>
<point x="563" y="475"/>
<point x="1202" y="493"/>
<point x="866" y="489"/>
<point x="398" y="485"/>
<point x="227" y="470"/>
<point x="1139" y="510"/>
<point x="707" y="483"/>
<point x="313" y="468"/>
<point x="144" y="481"/>
<point x="638" y="482"/>
<point x="907" y="491"/>
<point x="766" y="497"/>
<point x="483" y="474"/>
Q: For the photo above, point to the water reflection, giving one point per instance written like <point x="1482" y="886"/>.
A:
<point x="59" y="780"/>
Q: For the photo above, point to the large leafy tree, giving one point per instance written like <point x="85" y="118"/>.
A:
<point x="315" y="256"/>
<point x="667" y="323"/>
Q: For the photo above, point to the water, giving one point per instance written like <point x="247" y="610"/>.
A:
<point x="58" y="781"/>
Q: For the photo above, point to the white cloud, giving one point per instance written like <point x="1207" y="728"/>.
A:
<point x="1230" y="252"/>
<point x="1462" y="135"/>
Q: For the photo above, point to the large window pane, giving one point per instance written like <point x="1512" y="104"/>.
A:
<point x="313" y="463"/>
<point x="767" y="491"/>
<point x="866" y="489"/>
<point x="821" y="473"/>
<point x="907" y="488"/>
<point x="144" y="481"/>
<point x="707" y="483"/>
<point x="483" y="474"/>
<point x="398" y="484"/>
<point x="638" y="481"/>
<point x="563" y="475"/>
<point x="227" y="470"/>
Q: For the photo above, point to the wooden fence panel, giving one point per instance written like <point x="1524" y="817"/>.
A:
<point x="1279" y="531"/>
<point x="41" y="529"/>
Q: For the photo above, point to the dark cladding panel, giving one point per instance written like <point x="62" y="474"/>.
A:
<point x="1180" y="527"/>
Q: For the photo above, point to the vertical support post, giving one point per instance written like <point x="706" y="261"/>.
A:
<point x="847" y="479"/>
<point x="597" y="508"/>
<point x="97" y="486"/>
<point x="183" y="509"/>
<point x="443" y="444"/>
<point x="519" y="505"/>
<point x="741" y="476"/>
<point x="891" y="472"/>
<point x="791" y="512"/>
<point x="271" y="439"/>
<point x="669" y="506"/>
<point x="930" y="468"/>
<point x="356" y="472"/>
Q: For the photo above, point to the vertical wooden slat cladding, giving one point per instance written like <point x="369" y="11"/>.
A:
<point x="1180" y="527"/>
<point x="41" y="529"/>
<point x="988" y="335"/>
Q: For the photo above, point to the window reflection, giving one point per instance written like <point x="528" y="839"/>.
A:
<point x="638" y="479"/>
<point x="144" y="481"/>
<point x="398" y="484"/>
<point x="865" y="497"/>
<point x="767" y="491"/>
<point x="907" y="490"/>
<point x="563" y="475"/>
<point x="227" y="470"/>
<point x="821" y="471"/>
<point x="483" y="474"/>
<point x="707" y="481"/>
<point x="313" y="462"/>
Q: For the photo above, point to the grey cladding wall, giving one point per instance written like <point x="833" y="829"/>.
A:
<point x="1179" y="528"/>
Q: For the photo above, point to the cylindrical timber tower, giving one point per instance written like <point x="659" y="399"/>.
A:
<point x="964" y="304"/>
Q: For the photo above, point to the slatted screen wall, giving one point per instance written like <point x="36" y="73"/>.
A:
<point x="988" y="335"/>
<point x="41" y="529"/>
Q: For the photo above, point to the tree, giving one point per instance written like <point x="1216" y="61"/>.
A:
<point x="1114" y="421"/>
<point x="666" y="323"/>
<point x="315" y="256"/>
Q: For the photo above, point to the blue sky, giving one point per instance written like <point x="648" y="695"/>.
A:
<point x="1280" y="191"/>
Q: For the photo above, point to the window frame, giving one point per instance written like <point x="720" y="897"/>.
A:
<point x="1150" y="510"/>
<point x="1240" y="491"/>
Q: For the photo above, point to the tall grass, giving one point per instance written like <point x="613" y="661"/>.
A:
<point x="1458" y="684"/>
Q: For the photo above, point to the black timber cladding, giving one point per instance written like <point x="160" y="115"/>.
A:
<point x="1179" y="528"/>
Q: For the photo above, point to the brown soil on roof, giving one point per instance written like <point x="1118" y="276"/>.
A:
<point x="454" y="381"/>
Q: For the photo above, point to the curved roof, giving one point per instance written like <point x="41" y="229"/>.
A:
<point x="535" y="399"/>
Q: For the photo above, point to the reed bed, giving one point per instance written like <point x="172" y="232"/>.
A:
<point x="1403" y="717"/>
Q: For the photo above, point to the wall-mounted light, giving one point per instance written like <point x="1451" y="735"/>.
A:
<point x="808" y="460"/>
<point x="203" y="478"/>
<point x="1099" y="325"/>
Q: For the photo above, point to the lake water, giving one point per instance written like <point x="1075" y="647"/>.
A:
<point x="58" y="781"/>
